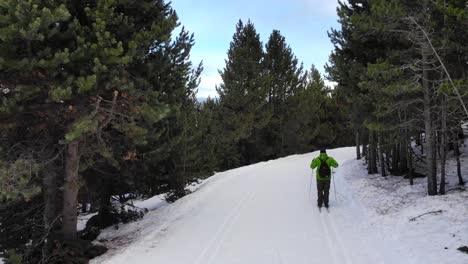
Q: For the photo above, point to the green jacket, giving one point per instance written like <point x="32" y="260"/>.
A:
<point x="317" y="161"/>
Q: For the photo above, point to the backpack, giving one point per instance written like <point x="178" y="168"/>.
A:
<point x="324" y="169"/>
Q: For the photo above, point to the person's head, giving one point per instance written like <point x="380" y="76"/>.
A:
<point x="323" y="153"/>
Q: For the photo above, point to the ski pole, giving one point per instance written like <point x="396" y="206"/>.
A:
<point x="334" y="186"/>
<point x="310" y="183"/>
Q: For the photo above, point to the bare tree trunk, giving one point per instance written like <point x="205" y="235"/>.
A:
<point x="51" y="206"/>
<point x="442" y="64"/>
<point x="430" y="173"/>
<point x="381" y="156"/>
<point x="422" y="143"/>
<point x="395" y="159"/>
<point x="369" y="154"/>
<point x="372" y="165"/>
<point x="70" y="191"/>
<point x="457" y="155"/>
<point x="443" y="139"/>
<point x="365" y="143"/>
<point x="358" y="145"/>
<point x="50" y="190"/>
<point x="435" y="145"/>
<point x="374" y="152"/>
<point x="410" y="164"/>
<point x="403" y="148"/>
<point x="387" y="162"/>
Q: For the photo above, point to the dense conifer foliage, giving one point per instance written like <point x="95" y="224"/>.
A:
<point x="401" y="70"/>
<point x="98" y="106"/>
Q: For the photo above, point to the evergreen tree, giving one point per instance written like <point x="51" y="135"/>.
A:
<point x="314" y="120"/>
<point x="242" y="98"/>
<point x="79" y="94"/>
<point x="394" y="56"/>
<point x="282" y="75"/>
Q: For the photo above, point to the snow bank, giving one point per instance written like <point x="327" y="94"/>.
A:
<point x="150" y="204"/>
<point x="266" y="213"/>
<point x="428" y="228"/>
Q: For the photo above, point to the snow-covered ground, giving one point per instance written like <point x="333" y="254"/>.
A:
<point x="266" y="213"/>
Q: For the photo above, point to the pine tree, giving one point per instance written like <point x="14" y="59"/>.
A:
<point x="282" y="75"/>
<point x="391" y="61"/>
<point x="166" y="159"/>
<point x="72" y="90"/>
<point x="242" y="98"/>
<point x="347" y="63"/>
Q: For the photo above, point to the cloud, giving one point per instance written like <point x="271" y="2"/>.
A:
<point x="325" y="8"/>
<point x="330" y="83"/>
<point x="208" y="83"/>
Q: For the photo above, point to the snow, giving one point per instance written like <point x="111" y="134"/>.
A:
<point x="266" y="213"/>
<point x="82" y="219"/>
<point x="390" y="203"/>
<point x="152" y="203"/>
<point x="464" y="126"/>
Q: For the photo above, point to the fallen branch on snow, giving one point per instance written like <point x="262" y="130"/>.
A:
<point x="463" y="249"/>
<point x="458" y="188"/>
<point x="433" y="212"/>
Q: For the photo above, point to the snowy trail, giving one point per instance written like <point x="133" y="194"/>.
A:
<point x="263" y="213"/>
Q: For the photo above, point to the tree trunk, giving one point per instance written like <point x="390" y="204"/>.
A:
<point x="50" y="190"/>
<point x="51" y="206"/>
<point x="395" y="159"/>
<point x="435" y="145"/>
<point x="369" y="155"/>
<point x="403" y="148"/>
<point x="403" y="145"/>
<point x="372" y="166"/>
<point x="381" y="156"/>
<point x="457" y="155"/>
<point x="430" y="173"/>
<point x="374" y="152"/>
<point x="365" y="144"/>
<point x="282" y="153"/>
<point x="70" y="191"/>
<point x="422" y="144"/>
<point x="443" y="139"/>
<point x="410" y="163"/>
<point x="358" y="145"/>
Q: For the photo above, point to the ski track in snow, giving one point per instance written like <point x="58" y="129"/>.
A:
<point x="263" y="213"/>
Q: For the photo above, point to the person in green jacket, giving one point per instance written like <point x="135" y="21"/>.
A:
<point x="323" y="163"/>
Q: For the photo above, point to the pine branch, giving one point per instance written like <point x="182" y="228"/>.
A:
<point x="433" y="212"/>
<point x="429" y="42"/>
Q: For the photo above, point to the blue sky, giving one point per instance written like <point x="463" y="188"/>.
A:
<point x="304" y="23"/>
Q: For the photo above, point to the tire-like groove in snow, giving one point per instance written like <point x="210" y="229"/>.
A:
<point x="333" y="253"/>
<point x="229" y="227"/>
<point x="344" y="250"/>
<point x="223" y="229"/>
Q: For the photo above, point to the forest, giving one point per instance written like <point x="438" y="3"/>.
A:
<point x="99" y="107"/>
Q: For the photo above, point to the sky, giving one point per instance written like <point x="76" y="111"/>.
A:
<point x="304" y="24"/>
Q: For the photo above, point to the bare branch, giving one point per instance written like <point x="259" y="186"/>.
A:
<point x="429" y="42"/>
<point x="433" y="212"/>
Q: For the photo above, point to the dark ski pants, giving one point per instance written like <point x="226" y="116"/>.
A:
<point x="323" y="191"/>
